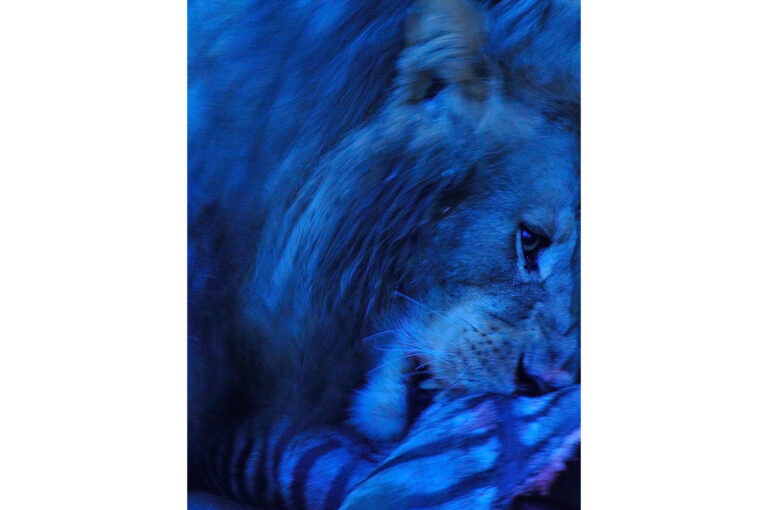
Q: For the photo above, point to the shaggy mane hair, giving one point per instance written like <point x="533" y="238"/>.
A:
<point x="306" y="197"/>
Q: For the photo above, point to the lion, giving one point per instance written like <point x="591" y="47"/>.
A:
<point x="393" y="213"/>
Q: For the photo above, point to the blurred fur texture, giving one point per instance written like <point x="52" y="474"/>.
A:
<point x="358" y="171"/>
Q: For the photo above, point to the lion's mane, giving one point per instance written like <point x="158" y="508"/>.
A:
<point x="284" y="97"/>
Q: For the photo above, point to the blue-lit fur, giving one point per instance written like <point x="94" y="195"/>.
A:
<point x="280" y="92"/>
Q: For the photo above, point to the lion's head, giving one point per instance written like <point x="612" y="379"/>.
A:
<point x="445" y="232"/>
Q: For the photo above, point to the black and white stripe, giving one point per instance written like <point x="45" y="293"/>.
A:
<point x="463" y="452"/>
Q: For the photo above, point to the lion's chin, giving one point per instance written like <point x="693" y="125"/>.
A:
<point x="522" y="380"/>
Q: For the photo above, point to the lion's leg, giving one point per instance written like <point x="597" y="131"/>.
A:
<point x="380" y="409"/>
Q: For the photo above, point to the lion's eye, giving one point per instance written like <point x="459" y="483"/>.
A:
<point x="529" y="240"/>
<point x="531" y="243"/>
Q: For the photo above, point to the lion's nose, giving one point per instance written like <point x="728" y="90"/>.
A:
<point x="530" y="383"/>
<point x="532" y="386"/>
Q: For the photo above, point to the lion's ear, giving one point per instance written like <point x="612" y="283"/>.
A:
<point x="443" y="43"/>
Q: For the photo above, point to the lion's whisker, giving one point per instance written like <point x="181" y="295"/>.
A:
<point x="456" y="379"/>
<point x="379" y="334"/>
<point x="391" y="362"/>
<point x="408" y="298"/>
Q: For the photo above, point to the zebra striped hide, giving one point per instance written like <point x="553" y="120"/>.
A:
<point x="476" y="452"/>
<point x="463" y="452"/>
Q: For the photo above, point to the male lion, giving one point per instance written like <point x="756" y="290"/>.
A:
<point x="384" y="203"/>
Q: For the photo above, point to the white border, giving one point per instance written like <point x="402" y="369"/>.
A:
<point x="92" y="205"/>
<point x="674" y="254"/>
<point x="93" y="211"/>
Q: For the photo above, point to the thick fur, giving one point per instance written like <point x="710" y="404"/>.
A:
<point x="359" y="172"/>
